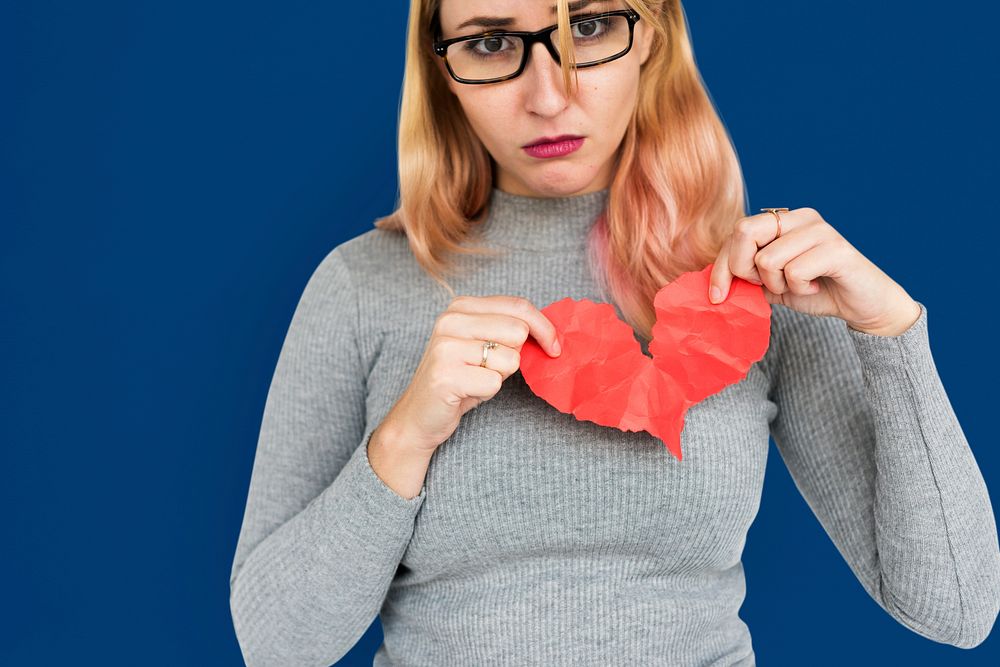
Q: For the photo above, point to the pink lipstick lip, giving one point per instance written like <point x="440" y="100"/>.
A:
<point x="551" y="140"/>
<point x="554" y="149"/>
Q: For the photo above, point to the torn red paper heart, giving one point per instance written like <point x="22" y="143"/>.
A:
<point x="698" y="349"/>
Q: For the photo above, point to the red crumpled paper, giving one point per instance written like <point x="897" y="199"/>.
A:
<point x="698" y="349"/>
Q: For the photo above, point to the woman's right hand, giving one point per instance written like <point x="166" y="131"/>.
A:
<point x="449" y="381"/>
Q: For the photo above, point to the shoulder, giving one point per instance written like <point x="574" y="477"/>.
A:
<point x="375" y="259"/>
<point x="378" y="271"/>
<point x="364" y="255"/>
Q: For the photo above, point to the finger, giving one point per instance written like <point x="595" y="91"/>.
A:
<point x="802" y="271"/>
<point x="772" y="258"/>
<point x="753" y="233"/>
<point x="501" y="359"/>
<point x="475" y="382"/>
<point x="720" y="278"/>
<point x="504" y="329"/>
<point x="539" y="326"/>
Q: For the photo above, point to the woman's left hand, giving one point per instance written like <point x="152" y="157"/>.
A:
<point x="811" y="268"/>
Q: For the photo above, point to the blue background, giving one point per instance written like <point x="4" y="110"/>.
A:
<point x="172" y="173"/>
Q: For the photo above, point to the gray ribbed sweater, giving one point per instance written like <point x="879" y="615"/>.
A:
<point x="539" y="539"/>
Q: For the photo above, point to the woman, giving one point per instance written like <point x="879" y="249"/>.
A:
<point x="515" y="533"/>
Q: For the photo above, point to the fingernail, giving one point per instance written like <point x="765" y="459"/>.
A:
<point x="557" y="348"/>
<point x="715" y="294"/>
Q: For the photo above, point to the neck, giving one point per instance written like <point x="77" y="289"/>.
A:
<point x="521" y="221"/>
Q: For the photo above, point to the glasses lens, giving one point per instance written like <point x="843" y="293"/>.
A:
<point x="594" y="38"/>
<point x="489" y="57"/>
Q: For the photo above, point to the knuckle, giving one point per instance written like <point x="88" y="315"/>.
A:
<point x="495" y="382"/>
<point x="766" y="262"/>
<point x="820" y="229"/>
<point x="522" y="329"/>
<point x="458" y="302"/>
<point x="446" y="318"/>
<point x="442" y="347"/>
<point x="793" y="274"/>
<point x="523" y="305"/>
<point x="744" y="227"/>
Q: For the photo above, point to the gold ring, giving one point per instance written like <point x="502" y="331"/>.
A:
<point x="777" y="218"/>
<point x="487" y="346"/>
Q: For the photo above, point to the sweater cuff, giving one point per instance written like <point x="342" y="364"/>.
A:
<point x="893" y="351"/>
<point x="367" y="496"/>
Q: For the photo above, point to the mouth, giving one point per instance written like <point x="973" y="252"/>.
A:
<point x="552" y="147"/>
<point x="552" y="140"/>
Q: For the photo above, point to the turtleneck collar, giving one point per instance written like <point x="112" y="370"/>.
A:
<point x="521" y="221"/>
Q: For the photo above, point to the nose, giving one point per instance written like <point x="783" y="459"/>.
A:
<point x="546" y="95"/>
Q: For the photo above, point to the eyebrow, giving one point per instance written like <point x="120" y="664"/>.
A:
<point x="503" y="22"/>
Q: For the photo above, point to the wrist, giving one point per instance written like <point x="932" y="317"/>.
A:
<point x="393" y="438"/>
<point x="900" y="321"/>
<point x="400" y="466"/>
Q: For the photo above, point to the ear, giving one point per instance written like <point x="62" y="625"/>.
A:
<point x="443" y="71"/>
<point x="645" y="35"/>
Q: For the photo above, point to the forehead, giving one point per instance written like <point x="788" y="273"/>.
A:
<point x="467" y="16"/>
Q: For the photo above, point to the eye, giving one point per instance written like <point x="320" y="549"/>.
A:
<point x="493" y="46"/>
<point x="591" y="29"/>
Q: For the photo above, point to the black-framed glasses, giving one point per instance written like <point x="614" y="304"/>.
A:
<point x="498" y="55"/>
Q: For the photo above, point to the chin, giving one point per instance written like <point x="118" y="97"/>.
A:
<point x="562" y="181"/>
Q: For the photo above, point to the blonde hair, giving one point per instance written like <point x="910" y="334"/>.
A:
<point x="677" y="188"/>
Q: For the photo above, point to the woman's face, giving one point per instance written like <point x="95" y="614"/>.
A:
<point x="509" y="115"/>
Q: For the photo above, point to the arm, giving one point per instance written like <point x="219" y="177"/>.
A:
<point x="871" y="440"/>
<point x="322" y="534"/>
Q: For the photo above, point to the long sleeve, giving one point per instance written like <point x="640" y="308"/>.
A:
<point x="322" y="534"/>
<point x="873" y="444"/>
